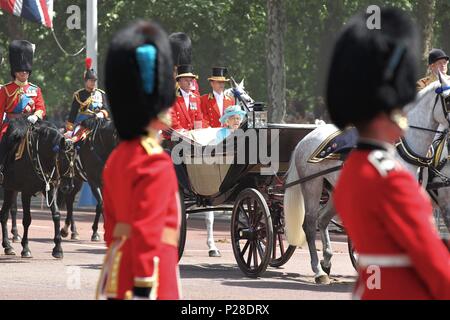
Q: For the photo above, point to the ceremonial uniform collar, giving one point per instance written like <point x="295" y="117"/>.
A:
<point x="372" y="144"/>
<point x="20" y="84"/>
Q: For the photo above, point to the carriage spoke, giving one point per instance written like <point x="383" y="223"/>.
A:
<point x="255" y="254"/>
<point x="260" y="250"/>
<point x="245" y="248"/>
<point x="250" y="253"/>
<point x="280" y="239"/>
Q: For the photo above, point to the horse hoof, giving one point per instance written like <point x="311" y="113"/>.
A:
<point x="214" y="253"/>
<point x="323" y="279"/>
<point x="10" y="252"/>
<point x="16" y="239"/>
<point x="95" y="237"/>
<point x="64" y="233"/>
<point x="26" y="254"/>
<point x="327" y="270"/>
<point x="57" y="254"/>
<point x="75" y="236"/>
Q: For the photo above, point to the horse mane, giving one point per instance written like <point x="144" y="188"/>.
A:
<point x="18" y="129"/>
<point x="422" y="94"/>
<point x="93" y="122"/>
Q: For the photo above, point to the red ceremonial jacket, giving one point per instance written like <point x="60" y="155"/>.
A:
<point x="388" y="216"/>
<point x="19" y="100"/>
<point x="141" y="211"/>
<point x="182" y="118"/>
<point x="210" y="109"/>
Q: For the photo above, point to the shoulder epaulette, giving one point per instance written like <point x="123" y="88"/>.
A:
<point x="32" y="85"/>
<point x="77" y="93"/>
<point x="101" y="91"/>
<point x="210" y="96"/>
<point x="382" y="161"/>
<point x="151" y="146"/>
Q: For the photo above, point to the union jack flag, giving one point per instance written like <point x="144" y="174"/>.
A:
<point x="40" y="11"/>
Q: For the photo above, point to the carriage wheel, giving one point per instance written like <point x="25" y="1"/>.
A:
<point x="252" y="233"/>
<point x="183" y="226"/>
<point x="353" y="254"/>
<point x="282" y="251"/>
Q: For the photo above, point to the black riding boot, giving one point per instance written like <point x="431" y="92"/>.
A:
<point x="3" y="152"/>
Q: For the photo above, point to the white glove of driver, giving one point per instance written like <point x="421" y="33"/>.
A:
<point x="33" y="118"/>
<point x="100" y="115"/>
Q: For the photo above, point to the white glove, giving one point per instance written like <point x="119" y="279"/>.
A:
<point x="68" y="134"/>
<point x="100" y="115"/>
<point x="33" y="118"/>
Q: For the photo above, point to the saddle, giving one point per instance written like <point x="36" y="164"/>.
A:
<point x="337" y="146"/>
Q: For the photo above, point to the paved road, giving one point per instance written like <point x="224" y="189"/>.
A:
<point x="202" y="277"/>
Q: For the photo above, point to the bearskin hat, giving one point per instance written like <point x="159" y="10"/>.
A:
<point x="139" y="77"/>
<point x="21" y="54"/>
<point x="181" y="48"/>
<point x="373" y="71"/>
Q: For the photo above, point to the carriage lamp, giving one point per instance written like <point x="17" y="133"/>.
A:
<point x="257" y="118"/>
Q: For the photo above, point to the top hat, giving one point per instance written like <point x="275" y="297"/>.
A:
<point x="185" y="71"/>
<point x="219" y="74"/>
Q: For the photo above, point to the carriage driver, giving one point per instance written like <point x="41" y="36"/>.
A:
<point x="142" y="203"/>
<point x="19" y="98"/>
<point x="88" y="102"/>
<point x="386" y="213"/>
<point x="437" y="62"/>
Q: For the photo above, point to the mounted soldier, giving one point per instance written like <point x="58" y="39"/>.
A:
<point x="216" y="102"/>
<point x="437" y="63"/>
<point x="19" y="98"/>
<point x="87" y="103"/>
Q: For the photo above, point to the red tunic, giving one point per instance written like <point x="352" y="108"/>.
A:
<point x="18" y="100"/>
<point x="210" y="109"/>
<point x="141" y="193"/>
<point x="388" y="215"/>
<point x="182" y="118"/>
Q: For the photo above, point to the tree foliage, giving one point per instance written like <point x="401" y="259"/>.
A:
<point x="230" y="33"/>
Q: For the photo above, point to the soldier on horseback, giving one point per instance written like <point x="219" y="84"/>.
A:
<point x="87" y="103"/>
<point x="19" y="98"/>
<point x="437" y="63"/>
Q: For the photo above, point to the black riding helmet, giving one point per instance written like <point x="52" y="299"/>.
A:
<point x="138" y="93"/>
<point x="373" y="71"/>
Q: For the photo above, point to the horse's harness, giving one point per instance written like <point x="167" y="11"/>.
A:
<point x="49" y="178"/>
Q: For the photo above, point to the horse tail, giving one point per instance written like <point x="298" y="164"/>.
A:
<point x="294" y="208"/>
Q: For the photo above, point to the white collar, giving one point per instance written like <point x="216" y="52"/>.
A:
<point x="218" y="95"/>
<point x="184" y="93"/>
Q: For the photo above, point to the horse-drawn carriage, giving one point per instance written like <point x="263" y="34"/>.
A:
<point x="236" y="176"/>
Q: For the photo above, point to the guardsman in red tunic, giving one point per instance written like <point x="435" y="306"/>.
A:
<point x="181" y="46"/>
<point x="140" y="193"/>
<point x="186" y="112"/>
<point x="387" y="215"/>
<point x="215" y="103"/>
<point x="19" y="98"/>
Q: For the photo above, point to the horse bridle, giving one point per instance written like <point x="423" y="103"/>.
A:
<point x="405" y="150"/>
<point x="48" y="179"/>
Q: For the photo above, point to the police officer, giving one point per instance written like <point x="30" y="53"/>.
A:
<point x="386" y="213"/>
<point x="88" y="102"/>
<point x="19" y="98"/>
<point x="141" y="200"/>
<point x="437" y="63"/>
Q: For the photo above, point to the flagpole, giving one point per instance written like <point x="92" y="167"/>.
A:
<point x="91" y="32"/>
